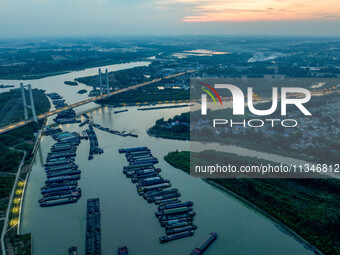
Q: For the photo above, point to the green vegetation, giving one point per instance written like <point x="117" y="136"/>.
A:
<point x="33" y="60"/>
<point x="9" y="159"/>
<point x="82" y="91"/>
<point x="21" y="244"/>
<point x="152" y="93"/>
<point x="146" y="95"/>
<point x="6" y="184"/>
<point x="11" y="109"/>
<point x="310" y="207"/>
<point x="71" y="83"/>
<point x="174" y="128"/>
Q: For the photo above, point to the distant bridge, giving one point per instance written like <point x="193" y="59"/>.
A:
<point x="50" y="113"/>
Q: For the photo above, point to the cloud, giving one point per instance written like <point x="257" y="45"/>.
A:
<point x="254" y="10"/>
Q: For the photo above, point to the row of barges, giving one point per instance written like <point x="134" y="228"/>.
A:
<point x="94" y="146"/>
<point x="61" y="186"/>
<point x="114" y="132"/>
<point x="63" y="117"/>
<point x="174" y="215"/>
<point x="93" y="228"/>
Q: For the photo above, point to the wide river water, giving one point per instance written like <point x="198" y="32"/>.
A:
<point x="126" y="218"/>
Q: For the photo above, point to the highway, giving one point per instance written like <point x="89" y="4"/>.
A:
<point x="50" y="113"/>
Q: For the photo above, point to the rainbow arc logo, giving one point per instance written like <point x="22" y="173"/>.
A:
<point x="209" y="93"/>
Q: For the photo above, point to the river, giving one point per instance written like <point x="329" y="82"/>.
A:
<point x="126" y="218"/>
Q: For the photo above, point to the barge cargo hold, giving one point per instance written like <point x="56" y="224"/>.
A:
<point x="187" y="215"/>
<point x="61" y="167"/>
<point x="165" y="207"/>
<point x="151" y="182"/>
<point x="60" y="155"/>
<point x="57" y="162"/>
<point x="63" y="172"/>
<point x="174" y="211"/>
<point x="205" y="244"/>
<point x="143" y="189"/>
<point x="140" y="162"/>
<point x="60" y="193"/>
<point x="133" y="149"/>
<point x="143" y="177"/>
<point x="168" y="238"/>
<point x="164" y="197"/>
<point x="167" y="201"/>
<point x="137" y="153"/>
<point x="176" y="221"/>
<point x="179" y="225"/>
<point x="59" y="184"/>
<point x="44" y="191"/>
<point x="63" y="178"/>
<point x="58" y="202"/>
<point x="141" y="167"/>
<point x="171" y="231"/>
<point x="49" y="198"/>
<point x="159" y="193"/>
<point x="50" y="160"/>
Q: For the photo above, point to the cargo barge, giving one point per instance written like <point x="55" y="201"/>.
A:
<point x="168" y="238"/>
<point x="115" y="112"/>
<point x="205" y="244"/>
<point x="93" y="228"/>
<point x="58" y="202"/>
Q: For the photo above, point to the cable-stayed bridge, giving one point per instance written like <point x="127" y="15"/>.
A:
<point x="87" y="101"/>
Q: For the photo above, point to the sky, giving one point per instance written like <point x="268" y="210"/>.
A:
<point x="39" y="18"/>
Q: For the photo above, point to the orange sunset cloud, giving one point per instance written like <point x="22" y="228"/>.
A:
<point x="257" y="10"/>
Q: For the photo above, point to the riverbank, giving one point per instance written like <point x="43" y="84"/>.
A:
<point x="17" y="148"/>
<point x="25" y="76"/>
<point x="306" y="207"/>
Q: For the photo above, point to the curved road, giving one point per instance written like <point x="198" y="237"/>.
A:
<point x="4" y="230"/>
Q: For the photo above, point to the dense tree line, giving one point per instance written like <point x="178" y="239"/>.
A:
<point x="311" y="207"/>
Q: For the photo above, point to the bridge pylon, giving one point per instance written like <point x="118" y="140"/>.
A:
<point x="101" y="85"/>
<point x="24" y="102"/>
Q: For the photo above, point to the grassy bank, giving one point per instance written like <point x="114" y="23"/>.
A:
<point x="23" y="138"/>
<point x="310" y="207"/>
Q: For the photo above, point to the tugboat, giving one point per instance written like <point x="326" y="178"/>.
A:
<point x="123" y="250"/>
